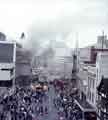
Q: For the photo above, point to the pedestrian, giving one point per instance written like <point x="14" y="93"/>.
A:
<point x="66" y="113"/>
<point x="46" y="110"/>
<point x="29" y="117"/>
<point x="41" y="110"/>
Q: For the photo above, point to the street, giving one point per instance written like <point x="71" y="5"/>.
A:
<point x="52" y="112"/>
<point x="27" y="104"/>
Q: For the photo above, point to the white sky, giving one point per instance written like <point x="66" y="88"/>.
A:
<point x="55" y="19"/>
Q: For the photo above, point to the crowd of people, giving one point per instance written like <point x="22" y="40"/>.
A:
<point x="24" y="104"/>
<point x="64" y="103"/>
<point x="27" y="104"/>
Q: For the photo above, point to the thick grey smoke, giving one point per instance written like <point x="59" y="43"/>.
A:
<point x="40" y="35"/>
<point x="64" y="19"/>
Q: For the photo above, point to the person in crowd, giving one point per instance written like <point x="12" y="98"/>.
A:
<point x="46" y="110"/>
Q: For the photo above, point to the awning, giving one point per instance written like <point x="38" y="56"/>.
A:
<point x="84" y="105"/>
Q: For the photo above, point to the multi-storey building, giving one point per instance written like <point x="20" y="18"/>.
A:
<point x="102" y="85"/>
<point x="7" y="65"/>
<point x="92" y="74"/>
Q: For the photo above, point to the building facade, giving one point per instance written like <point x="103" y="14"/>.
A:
<point x="7" y="66"/>
<point x="93" y="74"/>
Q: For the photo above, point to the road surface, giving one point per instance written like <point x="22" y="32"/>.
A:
<point x="52" y="112"/>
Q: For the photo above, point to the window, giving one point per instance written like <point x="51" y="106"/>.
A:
<point x="12" y="71"/>
<point x="93" y="84"/>
<point x="6" y="52"/>
<point x="6" y="83"/>
<point x="88" y="82"/>
<point x="92" y="97"/>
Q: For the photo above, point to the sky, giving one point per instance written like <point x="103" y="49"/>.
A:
<point x="62" y="20"/>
